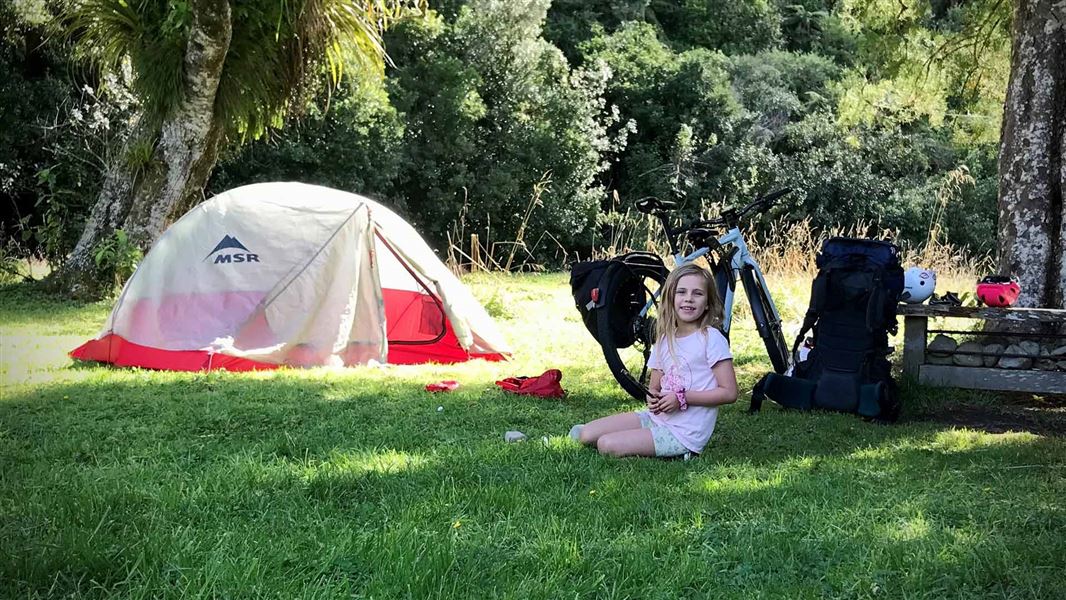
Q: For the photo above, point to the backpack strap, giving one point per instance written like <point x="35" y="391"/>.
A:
<point x="790" y="392"/>
<point x="814" y="309"/>
<point x="758" y="394"/>
<point x="880" y="312"/>
<point x="875" y="306"/>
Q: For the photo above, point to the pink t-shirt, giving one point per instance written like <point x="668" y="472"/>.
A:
<point x="688" y="367"/>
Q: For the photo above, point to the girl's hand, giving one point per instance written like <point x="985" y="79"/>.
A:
<point x="651" y="399"/>
<point x="667" y="403"/>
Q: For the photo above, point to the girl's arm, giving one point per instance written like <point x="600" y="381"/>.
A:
<point x="725" y="393"/>
<point x="654" y="386"/>
<point x="655" y="381"/>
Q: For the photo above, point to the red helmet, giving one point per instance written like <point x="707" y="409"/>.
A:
<point x="998" y="290"/>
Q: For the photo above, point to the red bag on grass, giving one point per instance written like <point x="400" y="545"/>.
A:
<point x="545" y="385"/>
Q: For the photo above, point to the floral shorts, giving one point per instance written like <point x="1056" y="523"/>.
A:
<point x="665" y="443"/>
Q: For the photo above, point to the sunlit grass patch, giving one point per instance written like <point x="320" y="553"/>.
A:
<point x="959" y="441"/>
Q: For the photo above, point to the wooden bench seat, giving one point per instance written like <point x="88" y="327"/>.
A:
<point x="915" y="331"/>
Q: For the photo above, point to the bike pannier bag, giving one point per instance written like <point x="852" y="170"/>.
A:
<point x="584" y="285"/>
<point x="624" y="277"/>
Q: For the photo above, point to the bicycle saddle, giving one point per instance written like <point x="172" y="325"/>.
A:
<point x="652" y="204"/>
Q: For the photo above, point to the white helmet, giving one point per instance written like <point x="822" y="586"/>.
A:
<point x="918" y="285"/>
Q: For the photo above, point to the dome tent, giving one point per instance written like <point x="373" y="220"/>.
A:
<point x="288" y="273"/>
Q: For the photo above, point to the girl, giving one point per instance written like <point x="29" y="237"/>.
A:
<point x="692" y="374"/>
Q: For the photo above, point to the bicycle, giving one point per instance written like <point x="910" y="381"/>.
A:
<point x="627" y="346"/>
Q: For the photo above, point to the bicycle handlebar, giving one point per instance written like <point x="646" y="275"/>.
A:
<point x="764" y="203"/>
<point x="729" y="218"/>
<point x="732" y="217"/>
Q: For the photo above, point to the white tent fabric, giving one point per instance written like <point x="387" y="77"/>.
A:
<point x="289" y="273"/>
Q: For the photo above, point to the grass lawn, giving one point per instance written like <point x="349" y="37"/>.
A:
<point x="352" y="483"/>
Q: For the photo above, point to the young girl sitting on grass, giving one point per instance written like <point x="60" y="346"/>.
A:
<point x="692" y="374"/>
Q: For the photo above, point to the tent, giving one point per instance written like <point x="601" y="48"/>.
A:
<point x="292" y="274"/>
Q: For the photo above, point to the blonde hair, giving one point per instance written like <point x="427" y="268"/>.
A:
<point x="668" y="323"/>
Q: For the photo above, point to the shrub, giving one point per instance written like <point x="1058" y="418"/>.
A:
<point x="58" y="126"/>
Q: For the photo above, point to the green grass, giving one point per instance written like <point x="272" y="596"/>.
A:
<point x="351" y="483"/>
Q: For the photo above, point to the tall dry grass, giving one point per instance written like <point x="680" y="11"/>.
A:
<point x="785" y="249"/>
<point x="792" y="247"/>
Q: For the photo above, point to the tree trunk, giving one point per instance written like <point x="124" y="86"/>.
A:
<point x="1032" y="172"/>
<point x="142" y="196"/>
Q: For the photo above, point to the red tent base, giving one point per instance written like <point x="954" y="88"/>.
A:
<point x="124" y="353"/>
<point x="116" y="350"/>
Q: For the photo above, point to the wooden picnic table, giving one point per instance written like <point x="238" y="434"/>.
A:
<point x="916" y="329"/>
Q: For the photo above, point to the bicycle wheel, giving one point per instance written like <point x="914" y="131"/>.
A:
<point x="769" y="327"/>
<point x="625" y="335"/>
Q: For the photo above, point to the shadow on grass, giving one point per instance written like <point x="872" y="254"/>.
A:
<point x="992" y="412"/>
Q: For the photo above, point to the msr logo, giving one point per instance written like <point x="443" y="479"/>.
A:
<point x="231" y="243"/>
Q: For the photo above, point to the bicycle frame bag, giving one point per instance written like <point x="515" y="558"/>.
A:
<point x="851" y="313"/>
<point x="624" y="276"/>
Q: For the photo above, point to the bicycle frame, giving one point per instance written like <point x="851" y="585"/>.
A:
<point x="740" y="258"/>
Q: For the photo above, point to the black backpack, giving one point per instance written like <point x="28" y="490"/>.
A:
<point x="621" y="277"/>
<point x="852" y="311"/>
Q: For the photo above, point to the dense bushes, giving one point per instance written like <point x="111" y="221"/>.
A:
<point x="479" y="110"/>
<point x="491" y="109"/>
<point x="549" y="119"/>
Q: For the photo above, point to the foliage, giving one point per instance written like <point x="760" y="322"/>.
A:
<point x="272" y="56"/>
<point x="731" y="26"/>
<point x="681" y="106"/>
<point x="571" y="23"/>
<point x="884" y="177"/>
<point x="349" y="139"/>
<point x="327" y="483"/>
<point x="81" y="142"/>
<point x="117" y="255"/>
<point x="863" y="107"/>
<point x="836" y="173"/>
<point x="489" y="107"/>
<point x="29" y="98"/>
<point x="54" y="141"/>
<point x="929" y="60"/>
<point x="777" y="88"/>
<point x="10" y="262"/>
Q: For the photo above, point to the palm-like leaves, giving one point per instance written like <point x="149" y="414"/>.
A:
<point x="146" y="33"/>
<point x="276" y="48"/>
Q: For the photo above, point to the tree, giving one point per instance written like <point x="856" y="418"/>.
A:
<point x="1032" y="159"/>
<point x="206" y="72"/>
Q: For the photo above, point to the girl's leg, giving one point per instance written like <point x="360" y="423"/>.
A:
<point x="631" y="442"/>
<point x="593" y="430"/>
